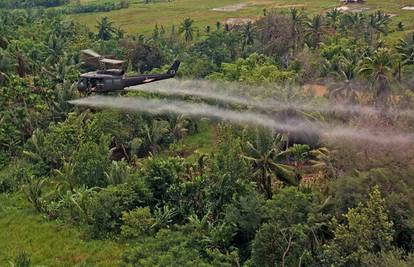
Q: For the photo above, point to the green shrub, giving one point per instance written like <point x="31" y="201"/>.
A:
<point x="33" y="189"/>
<point x="393" y="258"/>
<point x="182" y="247"/>
<point x="367" y="229"/>
<point x="167" y="248"/>
<point x="118" y="172"/>
<point x="160" y="174"/>
<point x="291" y="232"/>
<point x="7" y="184"/>
<point x="13" y="175"/>
<point x="90" y="163"/>
<point x="137" y="223"/>
<point x="106" y="207"/>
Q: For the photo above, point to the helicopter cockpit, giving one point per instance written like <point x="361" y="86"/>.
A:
<point x="108" y="83"/>
<point x="82" y="84"/>
<point x="92" y="85"/>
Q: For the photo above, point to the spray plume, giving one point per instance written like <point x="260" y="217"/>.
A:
<point x="243" y="96"/>
<point x="251" y="118"/>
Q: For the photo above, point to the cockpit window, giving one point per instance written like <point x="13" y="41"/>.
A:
<point x="82" y="82"/>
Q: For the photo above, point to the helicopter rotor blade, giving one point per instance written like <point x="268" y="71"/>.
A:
<point x="91" y="53"/>
<point x="97" y="58"/>
<point x="112" y="61"/>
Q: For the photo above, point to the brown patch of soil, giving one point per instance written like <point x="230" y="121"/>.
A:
<point x="238" y="21"/>
<point x="316" y="89"/>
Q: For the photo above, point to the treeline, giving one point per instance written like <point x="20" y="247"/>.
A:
<point x="257" y="198"/>
<point x="96" y="7"/>
<point x="64" y="6"/>
<point x="12" y="4"/>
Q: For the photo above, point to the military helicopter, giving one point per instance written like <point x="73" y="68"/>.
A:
<point x="114" y="80"/>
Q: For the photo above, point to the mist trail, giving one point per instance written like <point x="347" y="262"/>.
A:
<point x="330" y="132"/>
<point x="212" y="90"/>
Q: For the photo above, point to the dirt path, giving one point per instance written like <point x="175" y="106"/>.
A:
<point x="230" y="8"/>
<point x="237" y="7"/>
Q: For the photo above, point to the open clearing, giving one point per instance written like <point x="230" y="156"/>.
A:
<point x="141" y="18"/>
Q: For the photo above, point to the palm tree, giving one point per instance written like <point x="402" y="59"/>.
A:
<point x="267" y="155"/>
<point x="353" y="22"/>
<point x="333" y="18"/>
<point x="105" y="28"/>
<point x="55" y="46"/>
<point x="178" y="126"/>
<point x="154" y="134"/>
<point x="21" y="61"/>
<point x="347" y="70"/>
<point x="248" y="32"/>
<point x="7" y="63"/>
<point x="315" y="29"/>
<point x="186" y="28"/>
<point x="296" y="18"/>
<point x="405" y="48"/>
<point x="299" y="153"/>
<point x="324" y="161"/>
<point x="378" y="24"/>
<point x="378" y="70"/>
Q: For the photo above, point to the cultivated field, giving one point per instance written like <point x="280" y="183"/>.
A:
<point x="141" y="17"/>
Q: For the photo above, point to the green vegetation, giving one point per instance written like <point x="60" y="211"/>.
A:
<point x="11" y="4"/>
<point x="48" y="243"/>
<point x="89" y="187"/>
<point x="141" y="17"/>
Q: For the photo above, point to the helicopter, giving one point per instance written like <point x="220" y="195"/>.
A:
<point x="114" y="80"/>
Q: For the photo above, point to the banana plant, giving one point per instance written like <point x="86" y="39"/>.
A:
<point x="164" y="217"/>
<point x="33" y="190"/>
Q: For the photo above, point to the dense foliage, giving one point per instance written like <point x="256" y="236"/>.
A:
<point x="255" y="197"/>
<point x="11" y="4"/>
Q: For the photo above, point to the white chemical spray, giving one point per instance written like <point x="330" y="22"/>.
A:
<point x="251" y="118"/>
<point x="232" y="93"/>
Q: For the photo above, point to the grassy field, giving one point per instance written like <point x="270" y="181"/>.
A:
<point x="141" y="18"/>
<point x="48" y="243"/>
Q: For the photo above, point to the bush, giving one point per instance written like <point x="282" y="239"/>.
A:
<point x="7" y="184"/>
<point x="106" y="207"/>
<point x="160" y="174"/>
<point x="12" y="176"/>
<point x="167" y="248"/>
<point x="393" y="258"/>
<point x="354" y="188"/>
<point x="253" y="70"/>
<point x="368" y="229"/>
<point x="137" y="223"/>
<point x="291" y="232"/>
<point x="90" y="163"/>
